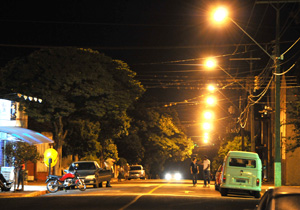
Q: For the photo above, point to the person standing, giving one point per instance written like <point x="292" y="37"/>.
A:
<point x="206" y="171"/>
<point x="194" y="170"/>
<point x="109" y="163"/>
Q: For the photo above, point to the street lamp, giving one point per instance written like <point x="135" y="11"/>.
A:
<point x="211" y="63"/>
<point x="220" y="15"/>
<point x="211" y="100"/>
<point x="208" y="115"/>
<point x="211" y="88"/>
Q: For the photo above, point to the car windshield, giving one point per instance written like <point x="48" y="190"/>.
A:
<point x="135" y="168"/>
<point x="84" y="166"/>
<point x="240" y="162"/>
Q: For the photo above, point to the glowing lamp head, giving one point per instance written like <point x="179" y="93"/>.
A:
<point x="220" y="14"/>
<point x="210" y="63"/>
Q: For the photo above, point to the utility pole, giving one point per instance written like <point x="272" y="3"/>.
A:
<point x="252" y="119"/>
<point x="277" y="162"/>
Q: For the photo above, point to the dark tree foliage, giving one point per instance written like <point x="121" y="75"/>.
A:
<point x="18" y="153"/>
<point x="74" y="84"/>
<point x="293" y="142"/>
<point x="155" y="137"/>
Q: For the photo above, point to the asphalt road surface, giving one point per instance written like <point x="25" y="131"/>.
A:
<point x="135" y="194"/>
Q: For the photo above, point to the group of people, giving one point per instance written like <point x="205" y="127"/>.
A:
<point x="194" y="167"/>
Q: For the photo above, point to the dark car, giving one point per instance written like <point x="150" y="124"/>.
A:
<point x="280" y="198"/>
<point x="91" y="172"/>
<point x="218" y="177"/>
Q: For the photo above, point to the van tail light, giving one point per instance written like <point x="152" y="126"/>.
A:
<point x="224" y="179"/>
<point x="257" y="182"/>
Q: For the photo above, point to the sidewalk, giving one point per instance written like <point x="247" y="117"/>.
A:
<point x="32" y="189"/>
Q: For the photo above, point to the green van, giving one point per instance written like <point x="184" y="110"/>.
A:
<point x="242" y="172"/>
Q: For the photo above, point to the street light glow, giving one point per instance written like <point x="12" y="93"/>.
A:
<point x="207" y="126"/>
<point x="220" y="14"/>
<point x="208" y="115"/>
<point x="211" y="88"/>
<point x="210" y="63"/>
<point x="211" y="100"/>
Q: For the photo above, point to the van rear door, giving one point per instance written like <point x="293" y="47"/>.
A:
<point x="241" y="172"/>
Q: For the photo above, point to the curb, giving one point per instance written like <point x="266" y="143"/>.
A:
<point x="36" y="193"/>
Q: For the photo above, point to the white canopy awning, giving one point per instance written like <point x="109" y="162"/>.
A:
<point x="29" y="136"/>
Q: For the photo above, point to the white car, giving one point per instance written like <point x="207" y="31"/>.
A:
<point x="136" y="172"/>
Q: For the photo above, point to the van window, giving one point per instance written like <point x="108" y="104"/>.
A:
<point x="245" y="163"/>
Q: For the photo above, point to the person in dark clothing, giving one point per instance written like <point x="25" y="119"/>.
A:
<point x="4" y="184"/>
<point x="20" y="171"/>
<point x="194" y="171"/>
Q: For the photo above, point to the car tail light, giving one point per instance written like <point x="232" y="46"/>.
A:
<point x="224" y="178"/>
<point x="257" y="182"/>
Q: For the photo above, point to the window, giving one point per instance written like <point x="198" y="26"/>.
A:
<point x="240" y="162"/>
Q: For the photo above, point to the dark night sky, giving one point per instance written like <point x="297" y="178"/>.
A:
<point x="163" y="41"/>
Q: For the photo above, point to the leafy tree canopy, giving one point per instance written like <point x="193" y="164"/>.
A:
<point x="19" y="152"/>
<point x="74" y="84"/>
<point x="155" y="136"/>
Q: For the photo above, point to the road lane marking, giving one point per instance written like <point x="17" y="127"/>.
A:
<point x="156" y="188"/>
<point x="136" y="198"/>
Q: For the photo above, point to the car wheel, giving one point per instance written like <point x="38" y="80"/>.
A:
<point x="128" y="178"/>
<point x="223" y="192"/>
<point x="216" y="187"/>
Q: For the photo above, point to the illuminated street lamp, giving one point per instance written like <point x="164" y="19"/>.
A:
<point x="222" y="14"/>
<point x="211" y="63"/>
<point x="211" y="88"/>
<point x="207" y="126"/>
<point x="211" y="100"/>
<point x="208" y="115"/>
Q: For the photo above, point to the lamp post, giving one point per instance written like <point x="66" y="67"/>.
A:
<point x="222" y="14"/>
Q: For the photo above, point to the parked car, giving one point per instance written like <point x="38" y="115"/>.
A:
<point x="91" y="172"/>
<point x="218" y="177"/>
<point x="136" y="172"/>
<point x="242" y="173"/>
<point x="280" y="198"/>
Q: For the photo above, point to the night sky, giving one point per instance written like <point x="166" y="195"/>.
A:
<point x="165" y="42"/>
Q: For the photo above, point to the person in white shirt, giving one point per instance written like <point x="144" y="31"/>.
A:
<point x="206" y="171"/>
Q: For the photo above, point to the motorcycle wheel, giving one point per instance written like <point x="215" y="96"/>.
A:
<point x="52" y="186"/>
<point x="81" y="185"/>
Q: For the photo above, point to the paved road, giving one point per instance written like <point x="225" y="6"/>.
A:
<point x="135" y="194"/>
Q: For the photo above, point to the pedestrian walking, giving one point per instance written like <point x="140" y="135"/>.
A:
<point x="206" y="171"/>
<point x="194" y="170"/>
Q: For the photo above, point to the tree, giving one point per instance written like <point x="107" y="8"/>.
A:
<point x="154" y="137"/>
<point x="74" y="84"/>
<point x="232" y="143"/>
<point x="293" y="142"/>
<point x="18" y="153"/>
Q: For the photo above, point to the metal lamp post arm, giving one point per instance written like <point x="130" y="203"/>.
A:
<point x="235" y="23"/>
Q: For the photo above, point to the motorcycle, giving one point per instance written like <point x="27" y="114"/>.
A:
<point x="72" y="180"/>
